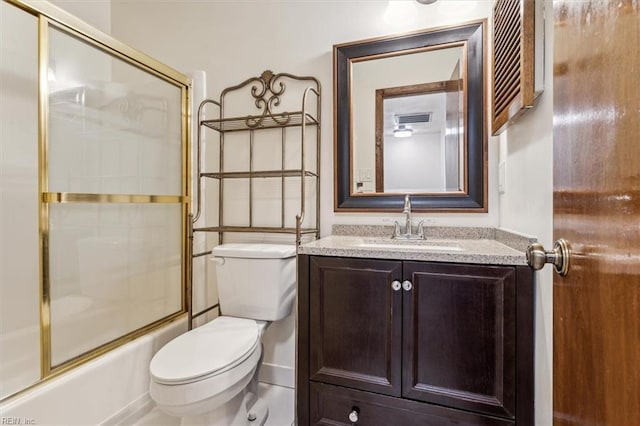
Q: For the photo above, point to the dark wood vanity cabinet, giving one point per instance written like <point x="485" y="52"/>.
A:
<point x="406" y="342"/>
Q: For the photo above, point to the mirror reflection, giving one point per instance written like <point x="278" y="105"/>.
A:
<point x="420" y="147"/>
<point x="419" y="144"/>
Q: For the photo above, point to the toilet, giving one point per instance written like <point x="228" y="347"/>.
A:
<point x="209" y="375"/>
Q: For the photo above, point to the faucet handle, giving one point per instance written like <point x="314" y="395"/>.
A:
<point x="396" y="228"/>
<point x="396" y="225"/>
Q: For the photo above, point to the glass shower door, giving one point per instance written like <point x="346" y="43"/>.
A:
<point x="94" y="193"/>
<point x="114" y="198"/>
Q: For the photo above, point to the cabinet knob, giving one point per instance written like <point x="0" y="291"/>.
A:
<point x="406" y="285"/>
<point x="395" y="285"/>
<point x="353" y="415"/>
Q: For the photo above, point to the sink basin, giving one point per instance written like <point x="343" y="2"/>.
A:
<point x="416" y="246"/>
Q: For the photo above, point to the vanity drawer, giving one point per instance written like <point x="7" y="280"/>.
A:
<point x="332" y="405"/>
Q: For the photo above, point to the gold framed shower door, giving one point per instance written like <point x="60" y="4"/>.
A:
<point x="51" y="18"/>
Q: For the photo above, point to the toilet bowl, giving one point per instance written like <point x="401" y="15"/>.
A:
<point x="208" y="367"/>
<point x="209" y="375"/>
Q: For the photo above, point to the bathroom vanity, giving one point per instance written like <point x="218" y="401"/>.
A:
<point x="430" y="332"/>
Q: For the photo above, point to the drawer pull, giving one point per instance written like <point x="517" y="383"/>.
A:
<point x="353" y="415"/>
<point x="395" y="285"/>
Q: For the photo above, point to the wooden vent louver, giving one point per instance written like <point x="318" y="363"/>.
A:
<point x="513" y="61"/>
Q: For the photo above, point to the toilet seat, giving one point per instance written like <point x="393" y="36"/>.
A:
<point x="207" y="351"/>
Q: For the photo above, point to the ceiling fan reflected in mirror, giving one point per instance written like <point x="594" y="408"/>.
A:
<point x="402" y="131"/>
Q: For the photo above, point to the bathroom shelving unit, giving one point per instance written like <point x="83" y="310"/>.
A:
<point x="266" y="93"/>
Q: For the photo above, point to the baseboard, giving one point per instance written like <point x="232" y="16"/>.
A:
<point x="131" y="413"/>
<point x="278" y="375"/>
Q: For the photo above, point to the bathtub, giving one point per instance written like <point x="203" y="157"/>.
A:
<point x="111" y="389"/>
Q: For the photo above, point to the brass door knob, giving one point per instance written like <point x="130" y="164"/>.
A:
<point x="537" y="256"/>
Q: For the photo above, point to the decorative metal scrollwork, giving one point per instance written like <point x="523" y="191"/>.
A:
<point x="267" y="96"/>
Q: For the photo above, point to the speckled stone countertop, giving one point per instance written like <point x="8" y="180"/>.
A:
<point x="441" y="244"/>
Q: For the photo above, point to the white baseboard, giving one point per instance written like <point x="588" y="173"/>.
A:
<point x="278" y="375"/>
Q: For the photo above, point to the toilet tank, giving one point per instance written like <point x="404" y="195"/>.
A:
<point x="256" y="281"/>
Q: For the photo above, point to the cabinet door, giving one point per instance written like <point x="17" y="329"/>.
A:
<point x="355" y="323"/>
<point x="459" y="336"/>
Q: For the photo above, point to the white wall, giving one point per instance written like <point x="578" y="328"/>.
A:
<point x="96" y="13"/>
<point x="526" y="147"/>
<point x="416" y="161"/>
<point x="19" y="271"/>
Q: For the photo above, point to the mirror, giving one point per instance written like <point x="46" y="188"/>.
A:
<point x="409" y="113"/>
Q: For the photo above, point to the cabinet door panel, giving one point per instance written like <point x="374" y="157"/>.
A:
<point x="355" y="323"/>
<point x="331" y="405"/>
<point x="459" y="336"/>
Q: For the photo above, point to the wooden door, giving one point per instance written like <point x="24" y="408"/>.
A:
<point x="597" y="208"/>
<point x="459" y="334"/>
<point x="355" y="323"/>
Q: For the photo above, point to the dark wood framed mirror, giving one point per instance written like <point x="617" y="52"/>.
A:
<point x="380" y="90"/>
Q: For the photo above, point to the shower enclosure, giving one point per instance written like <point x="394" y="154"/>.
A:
<point x="94" y="193"/>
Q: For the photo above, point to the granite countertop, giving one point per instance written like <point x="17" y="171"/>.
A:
<point x="492" y="246"/>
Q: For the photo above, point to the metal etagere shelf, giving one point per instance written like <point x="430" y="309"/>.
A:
<point x="266" y="93"/>
<point x="235" y="124"/>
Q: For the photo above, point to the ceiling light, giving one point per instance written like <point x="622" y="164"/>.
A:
<point x="426" y="1"/>
<point x="402" y="131"/>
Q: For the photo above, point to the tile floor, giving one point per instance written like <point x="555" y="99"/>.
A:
<point x="280" y="400"/>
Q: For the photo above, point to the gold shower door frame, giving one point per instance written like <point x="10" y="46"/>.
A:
<point x="50" y="16"/>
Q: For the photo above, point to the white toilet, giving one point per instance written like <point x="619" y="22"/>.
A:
<point x="209" y="375"/>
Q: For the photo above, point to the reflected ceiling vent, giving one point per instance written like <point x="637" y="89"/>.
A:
<point x="414" y="117"/>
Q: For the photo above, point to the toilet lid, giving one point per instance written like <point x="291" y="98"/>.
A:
<point x="205" y="351"/>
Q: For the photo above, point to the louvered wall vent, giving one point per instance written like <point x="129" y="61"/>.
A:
<point x="518" y="59"/>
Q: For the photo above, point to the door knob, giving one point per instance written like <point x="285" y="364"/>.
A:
<point x="406" y="285"/>
<point x="537" y="256"/>
<point x="395" y="285"/>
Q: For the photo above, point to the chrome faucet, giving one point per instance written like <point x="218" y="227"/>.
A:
<point x="406" y="211"/>
<point x="408" y="225"/>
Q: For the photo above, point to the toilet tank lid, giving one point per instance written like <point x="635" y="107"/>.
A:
<point x="255" y="251"/>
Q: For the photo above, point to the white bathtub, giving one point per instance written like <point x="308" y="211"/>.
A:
<point x="106" y="390"/>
